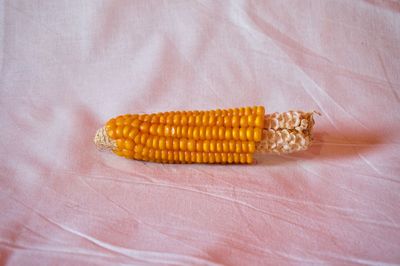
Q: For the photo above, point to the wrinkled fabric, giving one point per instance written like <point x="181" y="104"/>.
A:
<point x="69" y="66"/>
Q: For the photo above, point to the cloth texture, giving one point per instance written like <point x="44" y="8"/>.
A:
<point x="67" y="66"/>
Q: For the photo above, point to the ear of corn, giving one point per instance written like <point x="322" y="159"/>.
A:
<point x="215" y="136"/>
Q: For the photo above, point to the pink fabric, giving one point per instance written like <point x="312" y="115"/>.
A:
<point x="68" y="66"/>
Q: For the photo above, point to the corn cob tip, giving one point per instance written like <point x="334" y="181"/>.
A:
<point x="102" y="141"/>
<point x="287" y="132"/>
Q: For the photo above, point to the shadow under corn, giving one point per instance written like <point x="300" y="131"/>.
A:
<point x="328" y="146"/>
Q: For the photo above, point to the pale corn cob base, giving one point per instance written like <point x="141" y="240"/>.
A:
<point x="283" y="133"/>
<point x="102" y="141"/>
<point x="286" y="132"/>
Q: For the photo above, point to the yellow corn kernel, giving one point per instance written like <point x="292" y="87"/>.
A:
<point x="206" y="146"/>
<point x="176" y="120"/>
<point x="132" y="134"/>
<point x="190" y="133"/>
<point x="120" y="143"/>
<point x="128" y="153"/>
<point x="232" y="145"/>
<point x="217" y="157"/>
<point x="249" y="158"/>
<point x="235" y="133"/>
<point x="110" y="123"/>
<point x="184" y="131"/>
<point x="137" y="156"/>
<point x="170" y="119"/>
<point x="191" y="120"/>
<point x="118" y="132"/>
<point x="153" y="129"/>
<point x="243" y="158"/>
<point x="235" y="121"/>
<point x="138" y="138"/>
<point x="204" y="119"/>
<point x="213" y="146"/>
<point x="155" y="119"/>
<point x="202" y="133"/>
<point x="198" y="120"/>
<point x="164" y="155"/>
<point x="183" y="144"/>
<point x="111" y="133"/>
<point x="191" y="145"/>
<point x="199" y="157"/>
<point x="143" y="138"/>
<point x="178" y="133"/>
<point x="205" y="157"/>
<point x="138" y="148"/>
<point x="219" y="146"/>
<point x="248" y="111"/>
<point x="260" y="110"/>
<point x="135" y="123"/>
<point x="251" y="146"/>
<point x="170" y="156"/>
<point x="184" y="120"/>
<point x="245" y="146"/>
<point x="125" y="131"/>
<point x="193" y="157"/>
<point x="168" y="130"/>
<point x="119" y="121"/>
<point x="242" y="133"/>
<point x="187" y="157"/>
<point x="224" y="158"/>
<point x="243" y="121"/>
<point x="176" y="156"/>
<point x="259" y="121"/>
<point x="230" y="158"/>
<point x="236" y="157"/>
<point x="208" y="133"/>
<point x="214" y="132"/>
<point x="227" y="121"/>
<point x="221" y="133"/>
<point x="168" y="144"/>
<point x="155" y="142"/>
<point x="238" y="147"/>
<point x="212" y="120"/>
<point x="157" y="155"/>
<point x="145" y="118"/>
<point x="228" y="133"/>
<point x="225" y="146"/>
<point x="251" y="120"/>
<point x="257" y="134"/>
<point x="161" y="143"/>
<point x="250" y="133"/>
<point x="219" y="121"/>
<point x="196" y="133"/>
<point x="162" y="119"/>
<point x="199" y="146"/>
<point x="145" y="152"/>
<point x="211" y="157"/>
<point x="129" y="144"/>
<point x="118" y="152"/>
<point x="144" y="127"/>
<point x="151" y="154"/>
<point x="149" y="142"/>
<point x="175" y="144"/>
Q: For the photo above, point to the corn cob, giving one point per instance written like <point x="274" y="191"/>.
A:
<point x="215" y="136"/>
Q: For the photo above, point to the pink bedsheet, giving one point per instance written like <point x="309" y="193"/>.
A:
<point x="68" y="66"/>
